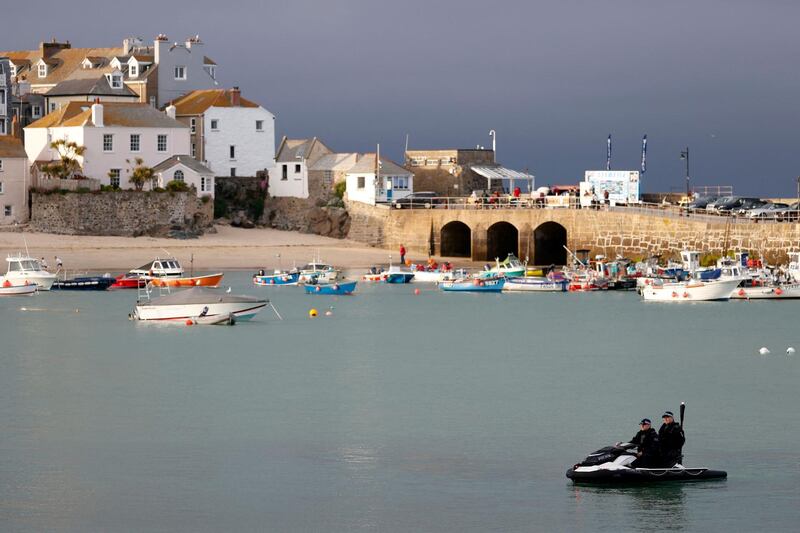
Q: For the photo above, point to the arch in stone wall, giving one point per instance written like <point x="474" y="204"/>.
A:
<point x="549" y="240"/>
<point x="455" y="240"/>
<point x="502" y="238"/>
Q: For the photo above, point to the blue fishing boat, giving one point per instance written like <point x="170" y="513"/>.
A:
<point x="276" y="278"/>
<point x="336" y="288"/>
<point x="84" y="283"/>
<point x="398" y="275"/>
<point x="474" y="285"/>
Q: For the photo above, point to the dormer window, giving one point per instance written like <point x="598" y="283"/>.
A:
<point x="133" y="70"/>
<point x="13" y="69"/>
<point x="211" y="71"/>
<point x="42" y="70"/>
<point x="115" y="80"/>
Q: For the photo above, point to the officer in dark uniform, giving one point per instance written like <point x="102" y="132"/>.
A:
<point x="646" y="440"/>
<point x="671" y="439"/>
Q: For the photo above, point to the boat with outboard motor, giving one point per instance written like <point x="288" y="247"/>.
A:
<point x="612" y="466"/>
<point x="196" y="302"/>
<point x="22" y="269"/>
<point x="83" y="283"/>
<point x="337" y="288"/>
<point x="277" y="278"/>
<point x="494" y="284"/>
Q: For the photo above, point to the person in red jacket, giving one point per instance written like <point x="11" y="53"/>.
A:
<point x="402" y="254"/>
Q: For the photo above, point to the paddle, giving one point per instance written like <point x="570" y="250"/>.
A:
<point x="683" y="409"/>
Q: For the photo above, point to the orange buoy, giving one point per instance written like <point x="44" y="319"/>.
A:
<point x="778" y="291"/>
<point x="189" y="322"/>
<point x="416" y="292"/>
<point x="674" y="294"/>
<point x="6" y="283"/>
<point x="685" y="294"/>
<point x="741" y="292"/>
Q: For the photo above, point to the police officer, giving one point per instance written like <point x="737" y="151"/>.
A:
<point x="646" y="441"/>
<point x="671" y="439"/>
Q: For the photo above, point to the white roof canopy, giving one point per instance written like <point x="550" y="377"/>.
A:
<point x="503" y="173"/>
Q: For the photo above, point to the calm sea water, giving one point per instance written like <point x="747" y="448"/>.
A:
<point x="437" y="412"/>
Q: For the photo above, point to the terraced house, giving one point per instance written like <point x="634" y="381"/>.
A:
<point x="152" y="73"/>
<point x="5" y="97"/>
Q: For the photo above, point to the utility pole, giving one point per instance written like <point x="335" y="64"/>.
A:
<point x="685" y="156"/>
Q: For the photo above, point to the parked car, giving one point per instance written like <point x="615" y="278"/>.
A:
<point x="733" y="205"/>
<point x="711" y="207"/>
<point x="416" y="200"/>
<point x="766" y="212"/>
<point x="747" y="205"/>
<point x="701" y="202"/>
<point x="789" y="214"/>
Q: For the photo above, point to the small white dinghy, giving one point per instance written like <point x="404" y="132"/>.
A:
<point x="690" y="291"/>
<point x="23" y="289"/>
<point x="198" y="303"/>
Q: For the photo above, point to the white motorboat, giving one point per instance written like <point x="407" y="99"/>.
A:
<point x="317" y="270"/>
<point x="690" y="291"/>
<point x="198" y="302"/>
<point x="22" y="269"/>
<point x="536" y="284"/>
<point x="9" y="289"/>
<point x="767" y="292"/>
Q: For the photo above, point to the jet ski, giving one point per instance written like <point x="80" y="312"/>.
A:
<point x="611" y="465"/>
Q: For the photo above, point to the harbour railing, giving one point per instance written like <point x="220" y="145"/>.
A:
<point x="572" y="202"/>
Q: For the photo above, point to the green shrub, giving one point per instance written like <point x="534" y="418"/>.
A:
<point x="205" y="198"/>
<point x="339" y="189"/>
<point x="177" y="186"/>
<point x="709" y="260"/>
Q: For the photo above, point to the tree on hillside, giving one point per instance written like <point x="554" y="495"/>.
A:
<point x="67" y="165"/>
<point x="140" y="174"/>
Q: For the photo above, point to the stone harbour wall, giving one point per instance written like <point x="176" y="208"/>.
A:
<point x="122" y="213"/>
<point x="630" y="233"/>
<point x="307" y="216"/>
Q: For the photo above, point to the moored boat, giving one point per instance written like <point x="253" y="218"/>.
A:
<point x="397" y="274"/>
<point x="277" y="278"/>
<point x="197" y="302"/>
<point x="208" y="280"/>
<point x="84" y="283"/>
<point x="510" y="267"/>
<point x="767" y="292"/>
<point x="335" y="288"/>
<point x="535" y="284"/>
<point x="494" y="284"/>
<point x="690" y="291"/>
<point x="22" y="269"/>
<point x="7" y="288"/>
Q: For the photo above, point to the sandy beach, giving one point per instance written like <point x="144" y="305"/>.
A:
<point x="229" y="248"/>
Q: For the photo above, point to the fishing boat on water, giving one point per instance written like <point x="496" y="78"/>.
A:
<point x="338" y="288"/>
<point x="397" y="274"/>
<point x="276" y="278"/>
<point x="317" y="270"/>
<point x="494" y="284"/>
<point x="7" y="288"/>
<point x="550" y="283"/>
<point x="22" y="269"/>
<point x="693" y="290"/>
<point x="164" y="272"/>
<point x="510" y="267"/>
<point x="202" y="302"/>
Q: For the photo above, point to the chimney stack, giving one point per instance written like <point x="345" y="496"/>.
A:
<point x="48" y="49"/>
<point x="15" y="131"/>
<point x="236" y="97"/>
<point x="170" y="111"/>
<point x="97" y="113"/>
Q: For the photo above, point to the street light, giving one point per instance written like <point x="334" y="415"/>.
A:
<point x="685" y="156"/>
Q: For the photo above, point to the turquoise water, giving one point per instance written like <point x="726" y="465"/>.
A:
<point x="436" y="412"/>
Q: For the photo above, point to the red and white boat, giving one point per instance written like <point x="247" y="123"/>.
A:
<point x="164" y="273"/>
<point x="7" y="288"/>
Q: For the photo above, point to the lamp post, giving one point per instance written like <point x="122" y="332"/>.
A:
<point x="685" y="156"/>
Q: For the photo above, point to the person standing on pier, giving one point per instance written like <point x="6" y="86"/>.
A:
<point x="402" y="254"/>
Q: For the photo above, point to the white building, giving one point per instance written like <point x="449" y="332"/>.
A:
<point x="231" y="135"/>
<point x="292" y="160"/>
<point x="14" y="181"/>
<point x="114" y="135"/>
<point x="370" y="183"/>
<point x="187" y="169"/>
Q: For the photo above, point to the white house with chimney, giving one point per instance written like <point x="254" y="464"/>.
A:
<point x="371" y="182"/>
<point x="114" y="135"/>
<point x="231" y="135"/>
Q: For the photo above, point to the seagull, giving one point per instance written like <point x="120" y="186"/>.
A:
<point x="229" y="290"/>
<point x="763" y="350"/>
<point x="789" y="351"/>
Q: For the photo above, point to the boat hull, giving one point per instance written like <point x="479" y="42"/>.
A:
<point x="637" y="476"/>
<point x="273" y="280"/>
<point x="210" y="280"/>
<point x="43" y="280"/>
<point x="474" y="285"/>
<point x="240" y="310"/>
<point x="399" y="277"/>
<point x="529" y="284"/>
<point x="94" y="283"/>
<point x="126" y="282"/>
<point x="689" y="292"/>
<point x="19" y="290"/>
<point x="340" y="288"/>
<point x="766" y="293"/>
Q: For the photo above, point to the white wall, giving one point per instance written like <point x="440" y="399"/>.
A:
<point x="368" y="194"/>
<point x="15" y="178"/>
<point x="190" y="177"/>
<point x="255" y="150"/>
<point x="296" y="184"/>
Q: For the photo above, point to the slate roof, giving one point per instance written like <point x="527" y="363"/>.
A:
<point x="343" y="161"/>
<point x="366" y="165"/>
<point x="98" y="86"/>
<point x="185" y="160"/>
<point x="114" y="114"/>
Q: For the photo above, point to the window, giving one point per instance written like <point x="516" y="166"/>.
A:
<point x="284" y="172"/>
<point x="1" y="169"/>
<point x="8" y="211"/>
<point x="52" y="106"/>
<point x="206" y="184"/>
<point x="400" y="183"/>
<point x="232" y="152"/>
<point x="36" y="111"/>
<point x="42" y="70"/>
<point x="259" y="125"/>
<point x="193" y="124"/>
<point x="2" y="188"/>
<point x="233" y="172"/>
<point x="297" y="169"/>
<point x="113" y="176"/>
<point x="2" y="96"/>
<point x="161" y="143"/>
<point x="178" y="175"/>
<point x="135" y="142"/>
<point x="108" y="142"/>
<point x="2" y="70"/>
<point x="194" y="150"/>
<point x="133" y="70"/>
<point x="214" y="124"/>
<point x="13" y="70"/>
<point x="180" y="73"/>
<point x="115" y="81"/>
<point x="361" y="182"/>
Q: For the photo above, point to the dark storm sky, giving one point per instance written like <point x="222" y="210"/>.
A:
<point x="554" y="78"/>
